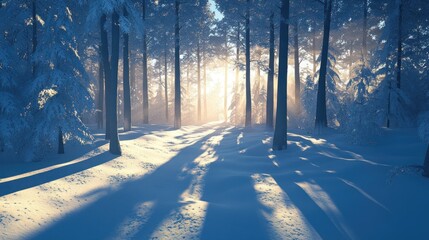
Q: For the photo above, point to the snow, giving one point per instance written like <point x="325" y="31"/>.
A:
<point x="220" y="182"/>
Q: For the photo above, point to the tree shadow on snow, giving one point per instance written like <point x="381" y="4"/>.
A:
<point x="234" y="211"/>
<point x="104" y="217"/>
<point x="53" y="174"/>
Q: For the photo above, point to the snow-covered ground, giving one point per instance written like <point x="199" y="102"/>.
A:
<point x="220" y="182"/>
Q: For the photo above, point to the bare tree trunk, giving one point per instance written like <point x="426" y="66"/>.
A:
<point x="107" y="73"/>
<point x="248" y="121"/>
<point x="297" y="78"/>
<point x="314" y="54"/>
<point x="205" y="84"/>
<point x="426" y="164"/>
<point x="399" y="53"/>
<point x="166" y="83"/>
<point x="321" y="118"/>
<point x="237" y="70"/>
<point x="60" y="141"/>
<point x="365" y="32"/>
<point x="350" y="60"/>
<point x="114" y="146"/>
<point x="225" y="100"/>
<point x="34" y="19"/>
<point x="270" y="80"/>
<point x="126" y="81"/>
<point x="280" y="130"/>
<point x="177" y="95"/>
<point x="100" y="99"/>
<point x="145" y="80"/>
<point x="199" y="81"/>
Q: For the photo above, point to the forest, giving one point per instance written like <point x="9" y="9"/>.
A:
<point x="132" y="95"/>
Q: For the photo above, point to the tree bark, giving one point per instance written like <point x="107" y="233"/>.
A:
<point x="297" y="78"/>
<point x="270" y="80"/>
<point x="126" y="81"/>
<point x="426" y="164"/>
<point x="114" y="146"/>
<point x="321" y="118"/>
<point x="166" y="83"/>
<point x="177" y="92"/>
<point x="107" y="72"/>
<point x="237" y="71"/>
<point x="199" y="81"/>
<point x="248" y="121"/>
<point x="100" y="100"/>
<point x="365" y="32"/>
<point x="145" y="80"/>
<point x="205" y="84"/>
<point x="225" y="100"/>
<point x="280" y="130"/>
<point x="60" y="141"/>
<point x="34" y="19"/>
<point x="399" y="53"/>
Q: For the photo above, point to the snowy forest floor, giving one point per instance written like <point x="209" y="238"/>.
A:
<point x="220" y="182"/>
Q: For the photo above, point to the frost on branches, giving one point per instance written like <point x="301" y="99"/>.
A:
<point x="60" y="92"/>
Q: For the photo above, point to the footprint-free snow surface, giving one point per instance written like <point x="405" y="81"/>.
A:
<point x="220" y="182"/>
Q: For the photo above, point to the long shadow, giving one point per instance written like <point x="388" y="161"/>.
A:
<point x="54" y="174"/>
<point x="329" y="223"/>
<point x="11" y="169"/>
<point x="234" y="211"/>
<point x="102" y="218"/>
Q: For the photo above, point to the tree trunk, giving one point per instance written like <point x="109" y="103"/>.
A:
<point x="199" y="81"/>
<point x="297" y="78"/>
<point x="205" y="84"/>
<point x="314" y="54"/>
<point x="321" y="118"/>
<point x="280" y="130"/>
<point x="145" y="80"/>
<point x="126" y="81"/>
<point x="177" y="92"/>
<point x="426" y="164"/>
<point x="107" y="72"/>
<point x="114" y="146"/>
<point x="248" y="121"/>
<point x="100" y="100"/>
<point x="270" y="80"/>
<point x="34" y="19"/>
<point x="350" y="60"/>
<point x="399" y="53"/>
<point x="225" y="100"/>
<point x="60" y="141"/>
<point x="365" y="32"/>
<point x="166" y="83"/>
<point x="237" y="71"/>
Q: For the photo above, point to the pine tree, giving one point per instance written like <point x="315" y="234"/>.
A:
<point x="60" y="90"/>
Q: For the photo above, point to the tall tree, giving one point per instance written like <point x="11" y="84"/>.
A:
<point x="248" y="121"/>
<point x="126" y="79"/>
<point x="100" y="98"/>
<point x="107" y="72"/>
<point x="270" y="80"/>
<point x="321" y="118"/>
<point x="296" y="63"/>
<point x="177" y="90"/>
<point x="34" y="22"/>
<point x="280" y="131"/>
<point x="145" y="79"/>
<point x="114" y="146"/>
